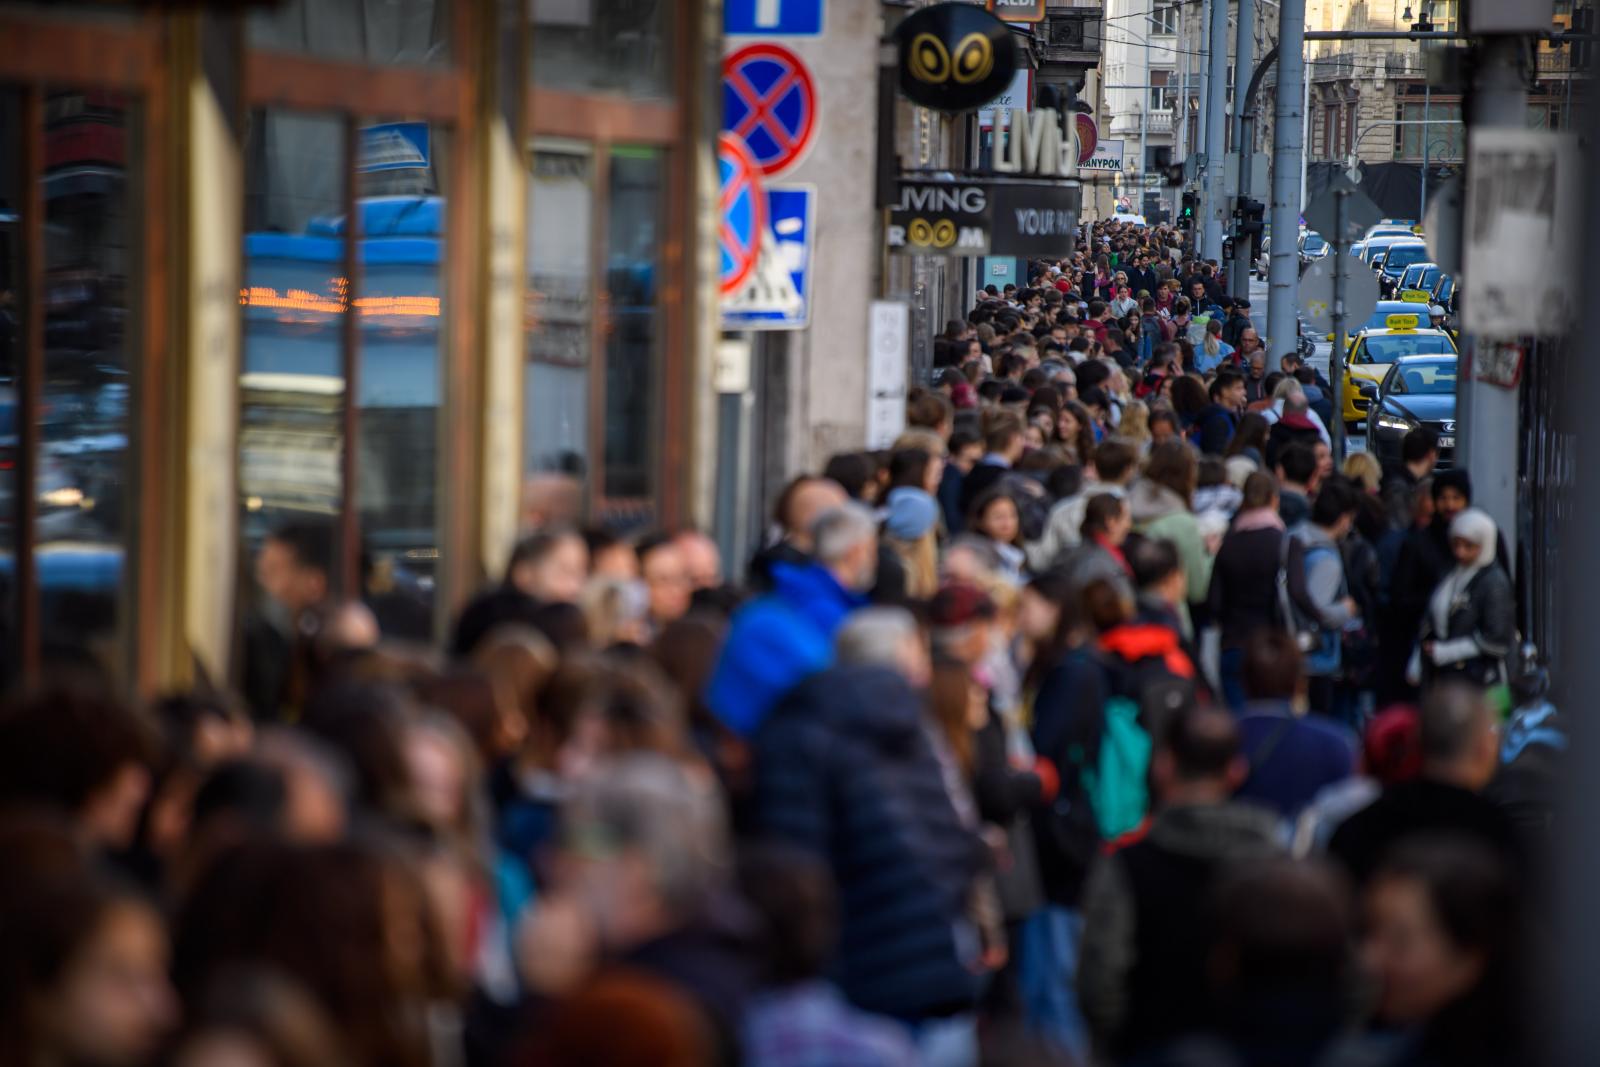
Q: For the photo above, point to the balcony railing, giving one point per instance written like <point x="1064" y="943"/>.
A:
<point x="1160" y="121"/>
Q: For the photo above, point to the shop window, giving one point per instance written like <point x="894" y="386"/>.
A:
<point x="633" y="320"/>
<point x="607" y="46"/>
<point x="343" y="325"/>
<point x="411" y="32"/>
<point x="594" y="379"/>
<point x="12" y="302"/>
<point x="291" y="444"/>
<point x="560" y="310"/>
<point x="81" y="528"/>
<point x="402" y="208"/>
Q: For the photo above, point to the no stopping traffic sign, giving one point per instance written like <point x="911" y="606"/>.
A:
<point x="743" y="206"/>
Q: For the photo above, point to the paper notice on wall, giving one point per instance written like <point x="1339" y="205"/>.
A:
<point x="1520" y="261"/>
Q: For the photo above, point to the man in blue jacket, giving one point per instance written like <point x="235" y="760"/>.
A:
<point x="787" y="635"/>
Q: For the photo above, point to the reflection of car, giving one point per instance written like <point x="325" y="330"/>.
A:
<point x="1416" y="284"/>
<point x="1264" y="260"/>
<point x="1313" y="247"/>
<point x="1416" y="391"/>
<point x="1375" y="350"/>
<point x="1401" y="255"/>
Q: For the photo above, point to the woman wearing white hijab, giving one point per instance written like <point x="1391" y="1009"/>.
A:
<point x="1470" y="626"/>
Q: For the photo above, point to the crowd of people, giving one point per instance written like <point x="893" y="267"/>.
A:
<point x="1099" y="721"/>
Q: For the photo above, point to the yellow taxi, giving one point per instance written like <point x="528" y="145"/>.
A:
<point x="1372" y="352"/>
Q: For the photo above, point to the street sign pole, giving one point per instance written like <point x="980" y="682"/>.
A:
<point x="1336" y="357"/>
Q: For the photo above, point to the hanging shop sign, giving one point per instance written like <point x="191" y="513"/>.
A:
<point x="1018" y="10"/>
<point x="1032" y="143"/>
<point x="954" y="57"/>
<point x="974" y="218"/>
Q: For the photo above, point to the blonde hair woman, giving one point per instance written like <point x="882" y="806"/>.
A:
<point x="1135" y="424"/>
<point x="1363" y="467"/>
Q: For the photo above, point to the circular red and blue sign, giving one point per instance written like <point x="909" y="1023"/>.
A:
<point x="744" y="211"/>
<point x="770" y="102"/>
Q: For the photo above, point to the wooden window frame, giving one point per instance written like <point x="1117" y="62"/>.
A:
<point x="448" y="96"/>
<point x="605" y="121"/>
<point x="41" y="55"/>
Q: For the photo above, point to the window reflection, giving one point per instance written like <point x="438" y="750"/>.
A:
<point x="621" y="46"/>
<point x="11" y="354"/>
<point x="401" y="173"/>
<point x="632" y="321"/>
<point x="372" y="31"/>
<point x="80" y="533"/>
<point x="560" y="221"/>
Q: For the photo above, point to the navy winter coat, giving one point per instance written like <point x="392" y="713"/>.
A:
<point x="845" y="768"/>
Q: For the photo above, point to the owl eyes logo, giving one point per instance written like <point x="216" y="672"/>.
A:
<point x="931" y="62"/>
<point x="941" y="234"/>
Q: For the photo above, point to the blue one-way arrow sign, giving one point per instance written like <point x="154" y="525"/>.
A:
<point x="772" y="18"/>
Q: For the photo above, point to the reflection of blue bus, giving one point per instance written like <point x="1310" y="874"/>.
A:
<point x="294" y="299"/>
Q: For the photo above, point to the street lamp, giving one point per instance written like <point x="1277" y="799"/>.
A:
<point x="1424" y="23"/>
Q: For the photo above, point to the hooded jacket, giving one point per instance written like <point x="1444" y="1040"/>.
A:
<point x="775" y="641"/>
<point x="1160" y="513"/>
<point x="845" y="769"/>
<point x="1142" y="975"/>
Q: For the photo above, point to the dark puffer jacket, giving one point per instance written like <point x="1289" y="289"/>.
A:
<point x="845" y="768"/>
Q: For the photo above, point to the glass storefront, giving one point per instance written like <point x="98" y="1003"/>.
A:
<point x="81" y="471"/>
<point x="363" y="355"/>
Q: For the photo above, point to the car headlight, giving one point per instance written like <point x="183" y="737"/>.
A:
<point x="1387" y="421"/>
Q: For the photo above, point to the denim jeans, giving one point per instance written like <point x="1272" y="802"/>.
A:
<point x="1052" y="938"/>
<point x="1231" y="668"/>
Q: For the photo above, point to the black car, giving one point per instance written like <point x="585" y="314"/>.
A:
<point x="1417" y="391"/>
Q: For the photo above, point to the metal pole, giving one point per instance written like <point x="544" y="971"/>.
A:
<point x="1427" y="107"/>
<point x="1487" y="425"/>
<point x="1283" y="278"/>
<point x="1216" y="129"/>
<point x="1336" y="357"/>
<point x="1305" y="138"/>
<point x="1243" y="60"/>
<point x="1144" y="115"/>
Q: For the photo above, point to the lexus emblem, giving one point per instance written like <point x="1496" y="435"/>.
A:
<point x="1450" y="426"/>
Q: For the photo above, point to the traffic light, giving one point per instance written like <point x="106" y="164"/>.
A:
<point x="1187" y="209"/>
<point x="1250" y="217"/>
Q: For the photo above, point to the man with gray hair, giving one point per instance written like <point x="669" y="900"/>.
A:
<point x="788" y="634"/>
<point x="643" y="881"/>
<point x="885" y="637"/>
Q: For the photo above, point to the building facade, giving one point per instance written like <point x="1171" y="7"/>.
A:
<point x="411" y="275"/>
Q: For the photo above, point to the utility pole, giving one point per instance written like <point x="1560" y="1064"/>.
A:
<point x="1488" y="426"/>
<point x="1283" y="276"/>
<point x="1211" y="199"/>
<point x="1243" y="136"/>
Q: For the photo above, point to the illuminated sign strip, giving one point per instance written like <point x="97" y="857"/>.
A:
<point x="260" y="296"/>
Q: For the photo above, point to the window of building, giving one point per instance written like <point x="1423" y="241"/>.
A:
<point x="606" y="46"/>
<point x="404" y="32"/>
<point x="1434" y="125"/>
<point x="81" y="291"/>
<point x="1164" y="21"/>
<point x="1163" y="92"/>
<point x="1352" y="113"/>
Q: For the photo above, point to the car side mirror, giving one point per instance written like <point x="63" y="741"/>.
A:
<point x="1367" y="389"/>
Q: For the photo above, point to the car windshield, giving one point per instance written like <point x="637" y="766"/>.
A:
<point x="1430" y="275"/>
<point x="1390" y="347"/>
<point x="1402" y="256"/>
<point x="1315" y="243"/>
<point x="1425" y="379"/>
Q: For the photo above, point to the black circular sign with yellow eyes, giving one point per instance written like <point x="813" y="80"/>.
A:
<point x="955" y="57"/>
